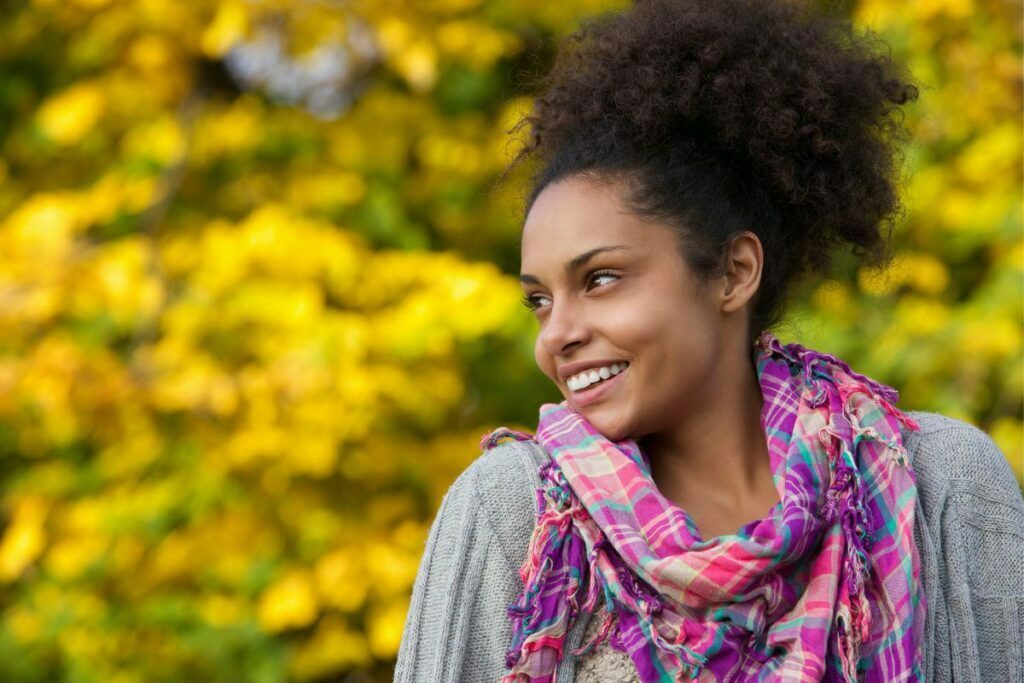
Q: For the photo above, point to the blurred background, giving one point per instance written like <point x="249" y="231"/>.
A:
<point x="258" y="303"/>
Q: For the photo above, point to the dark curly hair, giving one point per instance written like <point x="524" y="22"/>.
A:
<point x="726" y="115"/>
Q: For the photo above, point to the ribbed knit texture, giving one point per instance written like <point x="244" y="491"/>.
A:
<point x="969" y="529"/>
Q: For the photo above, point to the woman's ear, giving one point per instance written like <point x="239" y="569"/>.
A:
<point x="743" y="263"/>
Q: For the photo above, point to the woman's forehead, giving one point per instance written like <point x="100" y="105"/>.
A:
<point x="576" y="215"/>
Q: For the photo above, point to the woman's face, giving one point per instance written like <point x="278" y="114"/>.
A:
<point x="612" y="288"/>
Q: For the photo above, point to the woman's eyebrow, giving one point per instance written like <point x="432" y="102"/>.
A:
<point x="575" y="263"/>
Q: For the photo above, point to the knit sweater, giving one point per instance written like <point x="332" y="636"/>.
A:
<point x="969" y="529"/>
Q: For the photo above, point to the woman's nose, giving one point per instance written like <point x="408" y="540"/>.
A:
<point x="565" y="327"/>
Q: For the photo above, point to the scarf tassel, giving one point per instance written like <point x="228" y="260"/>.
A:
<point x="551" y="535"/>
<point x="594" y="587"/>
<point x="647" y="603"/>
<point x="851" y="632"/>
<point x="552" y="538"/>
<point x="845" y="504"/>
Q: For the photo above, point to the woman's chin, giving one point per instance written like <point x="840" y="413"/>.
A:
<point x="612" y="430"/>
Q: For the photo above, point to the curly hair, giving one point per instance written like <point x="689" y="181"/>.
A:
<point x="721" y="116"/>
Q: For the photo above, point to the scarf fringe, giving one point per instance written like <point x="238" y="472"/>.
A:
<point x="845" y="503"/>
<point x="852" y="625"/>
<point x="550" y="536"/>
<point x="609" y="620"/>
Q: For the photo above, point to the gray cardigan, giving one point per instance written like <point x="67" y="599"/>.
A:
<point x="969" y="529"/>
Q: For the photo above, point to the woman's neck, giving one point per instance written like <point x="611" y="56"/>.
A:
<point x="719" y="454"/>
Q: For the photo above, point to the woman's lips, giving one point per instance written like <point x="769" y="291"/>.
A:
<point x="595" y="392"/>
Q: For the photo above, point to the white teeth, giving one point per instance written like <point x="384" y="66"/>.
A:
<point x="588" y="377"/>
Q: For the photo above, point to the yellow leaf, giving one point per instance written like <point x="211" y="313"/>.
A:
<point x="418" y="65"/>
<point x="334" y="647"/>
<point x="68" y="116"/>
<point x="161" y="140"/>
<point x="227" y="28"/>
<point x="923" y="271"/>
<point x="996" y="337"/>
<point x="289" y="603"/>
<point x="340" y="579"/>
<point x="222" y="610"/>
<point x="25" y="624"/>
<point x="69" y="558"/>
<point x="385" y="629"/>
<point x="24" y="538"/>
<point x="43" y="228"/>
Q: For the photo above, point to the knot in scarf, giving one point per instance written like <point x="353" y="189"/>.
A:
<point x="825" y="587"/>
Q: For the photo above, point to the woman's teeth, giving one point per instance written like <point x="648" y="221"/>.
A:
<point x="595" y="375"/>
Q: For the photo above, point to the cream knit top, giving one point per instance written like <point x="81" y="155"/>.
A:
<point x="604" y="663"/>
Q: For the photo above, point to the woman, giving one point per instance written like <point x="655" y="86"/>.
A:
<point x="708" y="503"/>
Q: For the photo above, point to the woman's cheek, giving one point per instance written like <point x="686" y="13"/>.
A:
<point x="544" y="361"/>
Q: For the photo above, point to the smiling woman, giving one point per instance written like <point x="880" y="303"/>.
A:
<point x="725" y="506"/>
<point x="609" y="287"/>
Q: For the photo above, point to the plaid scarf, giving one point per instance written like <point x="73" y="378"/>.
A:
<point x="826" y="587"/>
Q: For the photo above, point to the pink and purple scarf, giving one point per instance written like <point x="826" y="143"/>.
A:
<point x="826" y="587"/>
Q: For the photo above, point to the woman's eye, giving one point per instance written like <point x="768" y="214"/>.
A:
<point x="531" y="300"/>
<point x="599" y="274"/>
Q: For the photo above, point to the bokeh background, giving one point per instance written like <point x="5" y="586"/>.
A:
<point x="258" y="304"/>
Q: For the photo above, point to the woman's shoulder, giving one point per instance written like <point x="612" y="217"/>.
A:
<point x="952" y="456"/>
<point x="502" y="483"/>
<point x="457" y="627"/>
<point x="962" y="474"/>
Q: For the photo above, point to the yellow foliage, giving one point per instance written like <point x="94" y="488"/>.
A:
<point x="835" y="297"/>
<point x="127" y="554"/>
<point x="326" y="190"/>
<point x="91" y="4"/>
<point x="958" y="9"/>
<point x="151" y="53"/>
<point x="450" y="154"/>
<point x="291" y="602"/>
<point x="24" y="538"/>
<point x="172" y="559"/>
<point x="229" y="25"/>
<point x="341" y="579"/>
<point x="993" y="156"/>
<point x="225" y="130"/>
<point x="119" y="281"/>
<point x="69" y="116"/>
<point x="26" y="625"/>
<point x="924" y="272"/>
<point x="918" y="316"/>
<point x="236" y="336"/>
<point x="223" y="610"/>
<point x="394" y="33"/>
<point x="334" y="647"/>
<point x="475" y="42"/>
<point x="417" y="63"/>
<point x="995" y="338"/>
<point x="453" y="6"/>
<point x="385" y="628"/>
<point x="68" y="558"/>
<point x="391" y="571"/>
<point x="161" y="140"/>
<point x="40" y="231"/>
